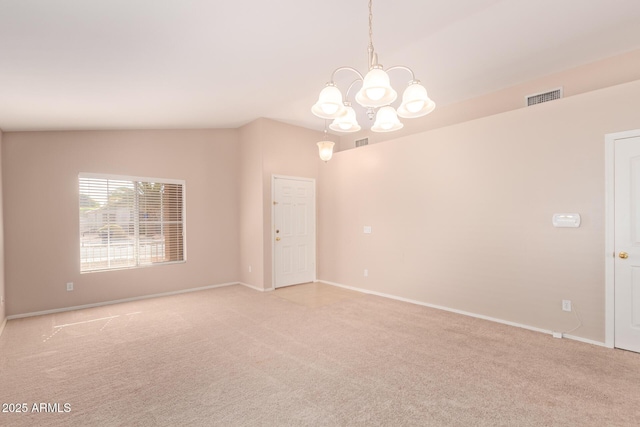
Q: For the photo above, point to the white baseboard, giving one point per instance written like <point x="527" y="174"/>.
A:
<point x="586" y="340"/>
<point x="4" y="322"/>
<point x="255" y="288"/>
<point x="100" y="304"/>
<point x="464" y="313"/>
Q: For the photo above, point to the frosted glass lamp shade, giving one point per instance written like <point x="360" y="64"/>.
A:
<point x="386" y="120"/>
<point x="376" y="89"/>
<point x="326" y="150"/>
<point x="329" y="105"/>
<point x="347" y="122"/>
<point x="415" y="102"/>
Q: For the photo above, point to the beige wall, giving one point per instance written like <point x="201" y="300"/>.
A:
<point x="461" y="215"/>
<point x="251" y="211"/>
<point x="268" y="148"/>
<point x="40" y="172"/>
<point x="3" y="311"/>
<point x="228" y="190"/>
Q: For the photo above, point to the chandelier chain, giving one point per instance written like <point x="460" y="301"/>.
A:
<point x="370" y="25"/>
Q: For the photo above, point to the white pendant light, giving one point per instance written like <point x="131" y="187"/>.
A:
<point x="376" y="93"/>
<point x="386" y="120"/>
<point x="376" y="89"/>
<point x="329" y="105"/>
<point x="346" y="122"/>
<point x="415" y="101"/>
<point x="326" y="150"/>
<point x="325" y="147"/>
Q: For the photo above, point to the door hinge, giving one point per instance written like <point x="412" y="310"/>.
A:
<point x="275" y="203"/>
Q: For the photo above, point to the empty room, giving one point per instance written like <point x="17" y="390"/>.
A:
<point x="330" y="213"/>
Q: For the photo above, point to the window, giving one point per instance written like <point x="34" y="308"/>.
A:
<point x="128" y="222"/>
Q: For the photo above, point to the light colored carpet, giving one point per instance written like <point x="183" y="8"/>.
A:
<point x="234" y="357"/>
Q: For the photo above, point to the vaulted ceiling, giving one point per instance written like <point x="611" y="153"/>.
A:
<point x="139" y="64"/>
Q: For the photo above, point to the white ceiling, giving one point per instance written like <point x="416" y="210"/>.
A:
<point x="142" y="64"/>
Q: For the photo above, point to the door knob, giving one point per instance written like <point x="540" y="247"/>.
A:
<point x="623" y="255"/>
<point x="277" y="239"/>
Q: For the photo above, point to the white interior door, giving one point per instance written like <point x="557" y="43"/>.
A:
<point x="627" y="243"/>
<point x="294" y="231"/>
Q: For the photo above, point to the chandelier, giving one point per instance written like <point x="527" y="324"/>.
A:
<point x="376" y="95"/>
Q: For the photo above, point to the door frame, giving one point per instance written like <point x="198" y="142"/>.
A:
<point x="609" y="245"/>
<point x="273" y="225"/>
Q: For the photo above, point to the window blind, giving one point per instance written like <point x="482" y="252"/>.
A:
<point x="130" y="222"/>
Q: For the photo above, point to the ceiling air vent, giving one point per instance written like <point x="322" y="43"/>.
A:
<point x="361" y="142"/>
<point x="539" y="98"/>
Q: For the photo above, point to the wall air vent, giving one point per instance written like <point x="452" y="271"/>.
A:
<point x="539" y="98"/>
<point x="361" y="142"/>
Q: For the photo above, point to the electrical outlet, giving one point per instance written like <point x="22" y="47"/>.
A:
<point x="249" y="269"/>
<point x="557" y="334"/>
<point x="566" y="305"/>
<point x="366" y="273"/>
<point x="70" y="286"/>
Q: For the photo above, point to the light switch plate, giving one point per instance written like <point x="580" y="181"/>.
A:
<point x="367" y="229"/>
